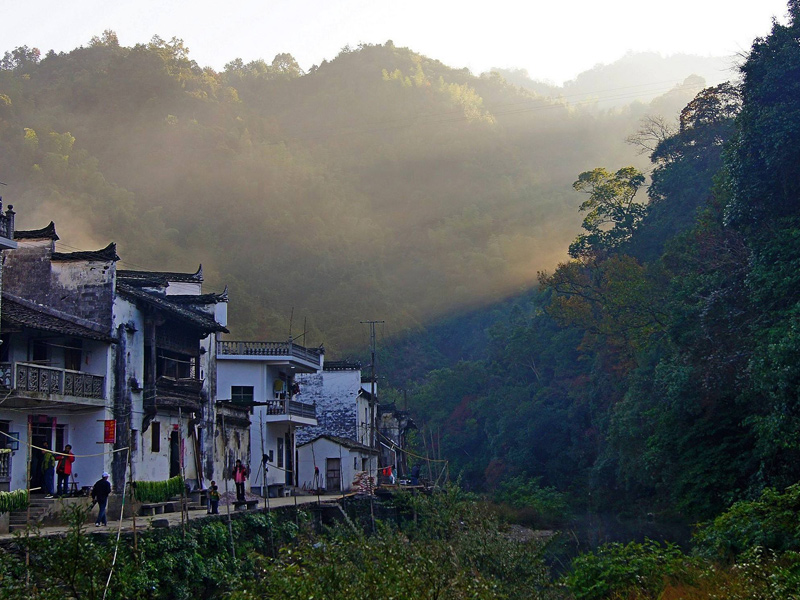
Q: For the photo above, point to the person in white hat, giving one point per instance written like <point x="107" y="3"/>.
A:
<point x="100" y="493"/>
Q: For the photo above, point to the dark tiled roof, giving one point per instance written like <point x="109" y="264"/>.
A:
<point x="201" y="321"/>
<point x="345" y="442"/>
<point x="46" y="233"/>
<point x="107" y="254"/>
<point x="133" y="277"/>
<point x="27" y="314"/>
<point x="341" y="365"/>
<point x="199" y="299"/>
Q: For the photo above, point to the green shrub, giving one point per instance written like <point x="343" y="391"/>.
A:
<point x="635" y="570"/>
<point x="548" y="504"/>
<point x="770" y="522"/>
<point x="11" y="501"/>
<point x="158" y="491"/>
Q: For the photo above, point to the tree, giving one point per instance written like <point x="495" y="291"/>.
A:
<point x="20" y="59"/>
<point x="764" y="159"/>
<point x="613" y="215"/>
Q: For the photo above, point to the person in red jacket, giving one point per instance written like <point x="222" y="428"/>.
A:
<point x="64" y="470"/>
<point x="239" y="477"/>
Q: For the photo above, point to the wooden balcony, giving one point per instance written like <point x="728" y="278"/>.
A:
<point x="36" y="380"/>
<point x="172" y="394"/>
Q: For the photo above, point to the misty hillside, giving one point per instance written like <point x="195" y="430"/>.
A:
<point x="382" y="184"/>
<point x="636" y="77"/>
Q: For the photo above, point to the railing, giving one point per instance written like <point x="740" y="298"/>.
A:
<point x="26" y="377"/>
<point x="291" y="407"/>
<point x="5" y="467"/>
<point x="175" y="393"/>
<point x="267" y="349"/>
<point x="7" y="223"/>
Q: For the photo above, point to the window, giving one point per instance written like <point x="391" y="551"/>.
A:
<point x="242" y="394"/>
<point x="355" y="463"/>
<point x="155" y="436"/>
<point x="39" y="352"/>
<point x="280" y="452"/>
<point x="72" y="354"/>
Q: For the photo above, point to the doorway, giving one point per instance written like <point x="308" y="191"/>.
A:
<point x="41" y="434"/>
<point x="333" y="474"/>
<point x="174" y="454"/>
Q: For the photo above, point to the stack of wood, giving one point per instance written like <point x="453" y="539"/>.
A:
<point x="364" y="483"/>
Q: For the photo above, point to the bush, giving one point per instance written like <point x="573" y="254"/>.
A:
<point x="11" y="501"/>
<point x="769" y="522"/>
<point x="525" y="495"/>
<point x="158" y="491"/>
<point x="631" y="570"/>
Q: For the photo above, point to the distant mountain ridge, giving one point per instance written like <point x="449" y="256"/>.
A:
<point x="636" y="77"/>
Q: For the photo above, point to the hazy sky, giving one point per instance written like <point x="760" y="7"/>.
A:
<point x="553" y="39"/>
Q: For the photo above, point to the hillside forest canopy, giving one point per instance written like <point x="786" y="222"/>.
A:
<point x="381" y="184"/>
<point x="655" y="371"/>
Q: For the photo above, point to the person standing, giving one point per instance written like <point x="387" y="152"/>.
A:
<point x="48" y="464"/>
<point x="100" y="494"/>
<point x="213" y="498"/>
<point x="415" y="474"/>
<point x="239" y="477"/>
<point x="64" y="470"/>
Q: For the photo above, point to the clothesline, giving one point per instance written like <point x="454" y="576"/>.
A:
<point x="29" y="445"/>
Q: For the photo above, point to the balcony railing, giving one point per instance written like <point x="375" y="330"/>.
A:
<point x="291" y="407"/>
<point x="175" y="393"/>
<point x="26" y="377"/>
<point x="5" y="467"/>
<point x="267" y="349"/>
<point x="7" y="222"/>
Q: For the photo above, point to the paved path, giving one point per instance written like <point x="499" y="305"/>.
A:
<point x="145" y="523"/>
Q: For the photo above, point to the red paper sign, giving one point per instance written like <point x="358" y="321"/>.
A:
<point x="109" y="431"/>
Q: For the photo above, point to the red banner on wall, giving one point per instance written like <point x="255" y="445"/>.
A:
<point x="109" y="431"/>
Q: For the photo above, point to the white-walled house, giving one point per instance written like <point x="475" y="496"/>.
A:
<point x="263" y="375"/>
<point x="345" y="439"/>
<point x="330" y="463"/>
<point x="344" y="408"/>
<point x="90" y="351"/>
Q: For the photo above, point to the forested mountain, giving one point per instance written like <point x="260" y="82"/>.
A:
<point x="381" y="184"/>
<point x="655" y="371"/>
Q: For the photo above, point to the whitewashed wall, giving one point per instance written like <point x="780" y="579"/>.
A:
<point x="317" y="452"/>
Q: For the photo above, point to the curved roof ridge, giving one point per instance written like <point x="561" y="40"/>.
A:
<point x="48" y="232"/>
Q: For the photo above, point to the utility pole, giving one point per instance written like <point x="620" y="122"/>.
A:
<point x="373" y="398"/>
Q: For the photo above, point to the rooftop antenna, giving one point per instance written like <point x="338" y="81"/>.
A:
<point x="291" y="318"/>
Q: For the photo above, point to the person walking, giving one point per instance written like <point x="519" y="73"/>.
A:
<point x="48" y="464"/>
<point x="100" y="494"/>
<point x="64" y="470"/>
<point x="239" y="477"/>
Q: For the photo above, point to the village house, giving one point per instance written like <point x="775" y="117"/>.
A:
<point x="344" y="441"/>
<point x="108" y="360"/>
<point x="7" y="443"/>
<point x="333" y="464"/>
<point x="263" y="377"/>
<point x="355" y="434"/>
